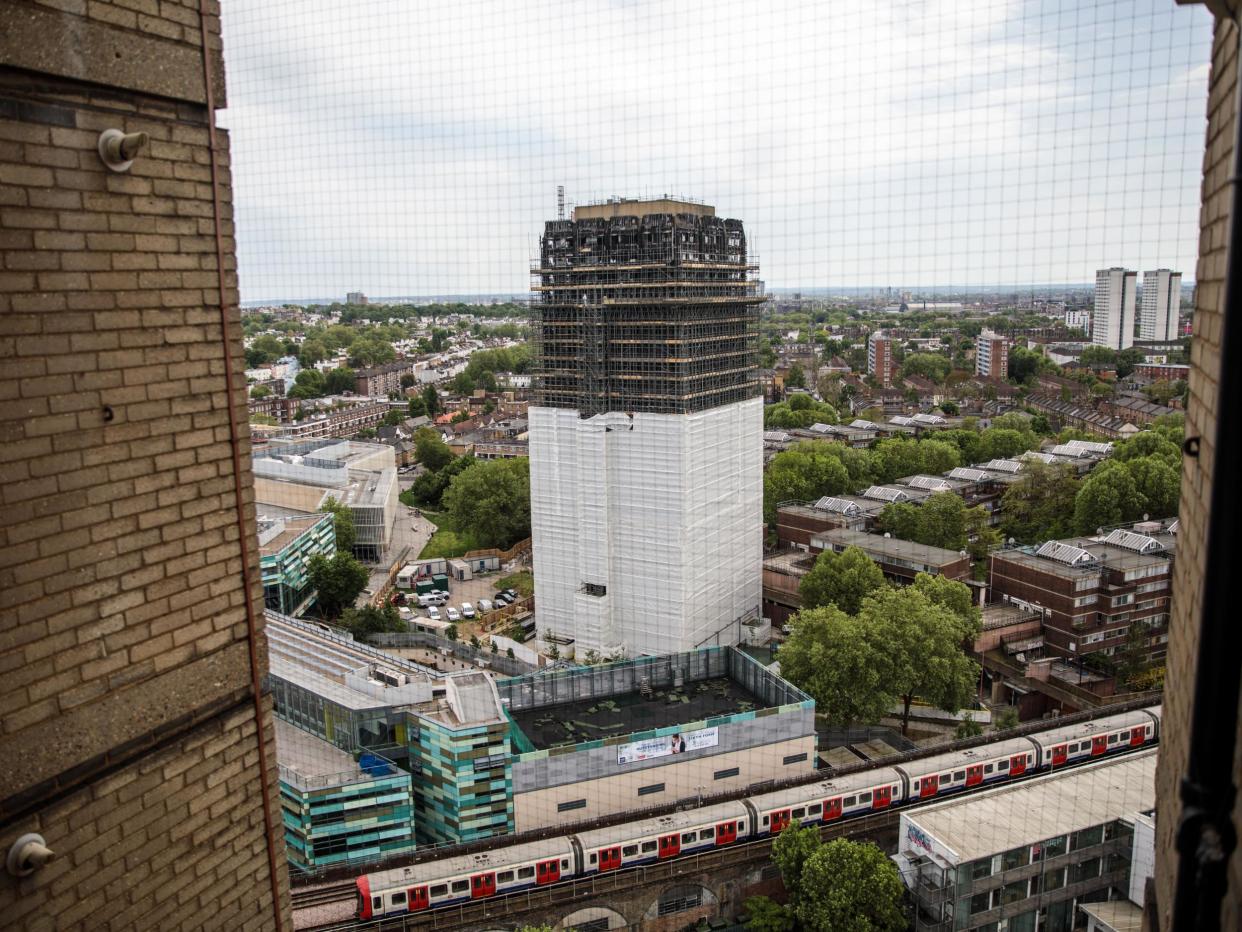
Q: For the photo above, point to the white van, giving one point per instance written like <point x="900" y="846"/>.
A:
<point x="432" y="598"/>
<point x="485" y="606"/>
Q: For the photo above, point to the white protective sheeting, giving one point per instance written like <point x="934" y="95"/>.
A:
<point x="662" y="511"/>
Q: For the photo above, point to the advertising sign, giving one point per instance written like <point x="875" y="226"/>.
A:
<point x="681" y="743"/>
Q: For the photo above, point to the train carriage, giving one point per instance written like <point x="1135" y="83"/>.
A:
<point x="853" y="794"/>
<point x="1112" y="733"/>
<point x="465" y="877"/>
<point x="961" y="770"/>
<point x="657" y="839"/>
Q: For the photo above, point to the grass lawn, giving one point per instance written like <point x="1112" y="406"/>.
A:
<point x="445" y="542"/>
<point x="523" y="582"/>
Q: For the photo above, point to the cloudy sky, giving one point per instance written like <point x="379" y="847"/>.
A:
<point x="413" y="147"/>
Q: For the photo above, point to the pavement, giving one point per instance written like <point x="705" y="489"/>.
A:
<point x="409" y="530"/>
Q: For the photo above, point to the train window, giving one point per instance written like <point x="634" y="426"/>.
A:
<point x="864" y="798"/>
<point x="377" y="902"/>
<point x="987" y="768"/>
<point x="461" y="886"/>
<point x="398" y="899"/>
<point x="798" y="813"/>
<point x="765" y="820"/>
<point x="707" y="833"/>
<point x="525" y="873"/>
<point x="1112" y="739"/>
<point x="629" y="851"/>
<point x="814" y="808"/>
<point x="564" y="864"/>
<point x="687" y="837"/>
<point x="741" y="826"/>
<point x="960" y="775"/>
<point x="439" y="889"/>
<point x="1071" y="749"/>
<point x="1124" y="736"/>
<point x="504" y="877"/>
<point x="849" y="801"/>
<point x="648" y="846"/>
<point x="1002" y="765"/>
<point x="592" y="859"/>
<point x="914" y="785"/>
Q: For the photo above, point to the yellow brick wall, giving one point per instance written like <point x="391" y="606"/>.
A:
<point x="127" y="710"/>
<point x="1197" y="477"/>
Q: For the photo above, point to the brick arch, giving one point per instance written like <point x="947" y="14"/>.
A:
<point x="708" y="902"/>
<point x="594" y="914"/>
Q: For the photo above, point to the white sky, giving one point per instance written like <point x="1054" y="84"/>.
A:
<point x="413" y="147"/>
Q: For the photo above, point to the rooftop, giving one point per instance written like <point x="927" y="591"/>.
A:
<point x="887" y="547"/>
<point x="310" y="756"/>
<point x="623" y="714"/>
<point x="637" y="207"/>
<point x="993" y="822"/>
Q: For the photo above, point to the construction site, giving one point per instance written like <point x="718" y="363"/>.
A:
<point x="645" y="306"/>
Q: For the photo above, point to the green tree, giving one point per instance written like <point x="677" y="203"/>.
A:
<point x="953" y="595"/>
<point x="451" y="632"/>
<point x="339" y="381"/>
<point x="311" y="352"/>
<point x="370" y="620"/>
<point x="264" y="349"/>
<point x="767" y="915"/>
<point x="830" y="656"/>
<point x="968" y="728"/>
<point x="342" y="523"/>
<point x="490" y="501"/>
<point x="1039" y="506"/>
<point x="309" y="383"/>
<point x="803" y="473"/>
<point x="1149" y="443"/>
<point x="431" y="401"/>
<point x="1108" y="496"/>
<point x="1006" y="719"/>
<point x="1158" y="485"/>
<point x="923" y="641"/>
<point x="841" y="579"/>
<point x="338" y="581"/>
<point x="393" y="418"/>
<point x="931" y="366"/>
<point x="839" y="885"/>
<point x="796" y="378"/>
<point x="260" y="391"/>
<point x="430" y="450"/>
<point x="999" y="443"/>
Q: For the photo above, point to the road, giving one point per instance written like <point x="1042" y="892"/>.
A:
<point x="407" y="530"/>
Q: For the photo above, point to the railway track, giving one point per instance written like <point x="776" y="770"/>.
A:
<point x="322" y="896"/>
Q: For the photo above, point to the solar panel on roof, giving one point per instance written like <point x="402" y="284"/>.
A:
<point x="821" y="428"/>
<point x="1139" y="543"/>
<point x="1003" y="465"/>
<point x="885" y="494"/>
<point x="860" y="424"/>
<point x="929" y="483"/>
<point x="1035" y="455"/>
<point x="1174" y="526"/>
<point x="839" y="506"/>
<point x="901" y="420"/>
<point x="965" y="472"/>
<point x="929" y="419"/>
<point x="1065" y="553"/>
<point x="1064" y="449"/>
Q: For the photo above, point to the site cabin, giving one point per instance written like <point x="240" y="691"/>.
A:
<point x="464" y="878"/>
<point x="961" y="770"/>
<point x="658" y="839"/>
<point x="1061" y="746"/>
<point x="852" y="794"/>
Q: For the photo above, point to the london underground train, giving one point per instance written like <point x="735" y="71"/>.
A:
<point x="497" y="872"/>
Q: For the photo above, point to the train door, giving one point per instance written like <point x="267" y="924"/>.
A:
<point x="418" y="899"/>
<point x="1017" y="765"/>
<point x="726" y="833"/>
<point x="1136" y="737"/>
<point x="780" y="818"/>
<point x="883" y="797"/>
<point x="974" y="775"/>
<point x="547" y="872"/>
<point x="832" y="809"/>
<point x="1058" y="755"/>
<point x="609" y="858"/>
<point x="1099" y="744"/>
<point x="928" y="786"/>
<point x="482" y="885"/>
<point x="670" y="846"/>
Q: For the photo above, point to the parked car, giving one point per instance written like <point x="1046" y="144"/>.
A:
<point x="433" y="613"/>
<point x="467" y="610"/>
<point x="511" y="594"/>
<point x="501" y="598"/>
<point x="432" y="598"/>
<point x="452" y="614"/>
<point x="485" y="606"/>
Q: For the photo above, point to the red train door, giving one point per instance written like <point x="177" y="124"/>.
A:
<point x="1137" y="736"/>
<point x="482" y="885"/>
<point x="547" y="872"/>
<point x="832" y="809"/>
<point x="974" y="775"/>
<point x="670" y="846"/>
<point x="609" y="858"/>
<point x="1017" y="765"/>
<point x="1099" y="744"/>
<point x="883" y="797"/>
<point x="418" y="899"/>
<point x="1058" y="755"/>
<point x="929" y="785"/>
<point x="726" y="833"/>
<point x="780" y="819"/>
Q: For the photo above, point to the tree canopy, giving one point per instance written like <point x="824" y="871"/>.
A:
<point x="944" y="520"/>
<point x="829" y="656"/>
<point x="370" y="620"/>
<point x="490" y="501"/>
<point x="431" y="450"/>
<point x="841" y="579"/>
<point x="338" y="581"/>
<point x="804" y="473"/>
<point x="800" y="411"/>
<point x="838" y="885"/>
<point x="342" y="523"/>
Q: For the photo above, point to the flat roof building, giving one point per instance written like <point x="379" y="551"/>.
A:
<point x="1026" y="856"/>
<point x="287" y="541"/>
<point x="1112" y="320"/>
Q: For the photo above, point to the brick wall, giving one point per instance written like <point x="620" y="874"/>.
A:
<point x="127" y="711"/>
<point x="1197" y="475"/>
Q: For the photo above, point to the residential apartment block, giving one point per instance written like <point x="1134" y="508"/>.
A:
<point x="1112" y="320"/>
<point x="991" y="355"/>
<point x="380" y="381"/>
<point x="880" y="358"/>
<point x="1161" y="307"/>
<point x="1091" y="590"/>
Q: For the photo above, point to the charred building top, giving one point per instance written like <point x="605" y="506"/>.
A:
<point x="645" y="306"/>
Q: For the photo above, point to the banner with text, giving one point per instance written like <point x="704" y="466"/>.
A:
<point x="681" y="743"/>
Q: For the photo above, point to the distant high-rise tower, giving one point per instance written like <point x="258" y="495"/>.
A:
<point x="1162" y="302"/>
<point x="355" y="297"/>
<point x="991" y="355"/>
<point x="1112" y="321"/>
<point x="646" y="432"/>
<point x="880" y="358"/>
